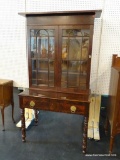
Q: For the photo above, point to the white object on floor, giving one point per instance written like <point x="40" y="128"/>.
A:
<point x="97" y="118"/>
<point x="29" y="116"/>
<point x="96" y="133"/>
<point x="91" y="118"/>
<point x="94" y="114"/>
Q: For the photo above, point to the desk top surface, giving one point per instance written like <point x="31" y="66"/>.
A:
<point x="60" y="95"/>
<point x="4" y="81"/>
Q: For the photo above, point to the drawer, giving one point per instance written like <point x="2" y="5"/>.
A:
<point x="72" y="107"/>
<point x="36" y="103"/>
<point x="53" y="105"/>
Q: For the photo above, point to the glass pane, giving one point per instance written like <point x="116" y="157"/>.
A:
<point x="73" y="80"/>
<point x="51" y="73"/>
<point x="51" y="79"/>
<point x="42" y="47"/>
<point x="76" y="32"/>
<point x="73" y="66"/>
<point x="71" y="48"/>
<point x="85" y="47"/>
<point x="51" y="65"/>
<point x="75" y="47"/>
<point x="64" y="48"/>
<point x="85" y="32"/>
<point x="75" y="44"/>
<point x="33" y="47"/>
<point x="34" y="77"/>
<point x="76" y="81"/>
<point x="82" y="67"/>
<point x="51" y="47"/>
<point x="43" y="78"/>
<point x="43" y="65"/>
<point x="34" y="64"/>
<point x="34" y="74"/>
<point x="64" y="66"/>
<point x="64" y="80"/>
<point x="42" y="50"/>
<point x="83" y="82"/>
<point x="34" y="82"/>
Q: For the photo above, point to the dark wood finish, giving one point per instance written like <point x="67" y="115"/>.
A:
<point x="113" y="110"/>
<point x="97" y="13"/>
<point x="59" y="58"/>
<point x="60" y="23"/>
<point x="53" y="101"/>
<point x="84" y="145"/>
<point x="23" y="124"/>
<point x="6" y="97"/>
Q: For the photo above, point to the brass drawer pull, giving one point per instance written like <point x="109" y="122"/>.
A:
<point x="73" y="109"/>
<point x="32" y="104"/>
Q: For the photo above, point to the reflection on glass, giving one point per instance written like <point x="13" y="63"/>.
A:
<point x="85" y="47"/>
<point x="75" y="46"/>
<point x="42" y="78"/>
<point x="82" y="67"/>
<point x="43" y="65"/>
<point x="34" y="64"/>
<point x="51" y="79"/>
<point x="76" y="32"/>
<point x="64" y="65"/>
<point x="34" y="76"/>
<point x="73" y="66"/>
<point x="51" y="65"/>
<point x="73" y="80"/>
<point x="42" y="49"/>
<point x="64" y="80"/>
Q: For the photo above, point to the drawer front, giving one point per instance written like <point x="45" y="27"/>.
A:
<point x="72" y="107"/>
<point x="36" y="103"/>
<point x="54" y="105"/>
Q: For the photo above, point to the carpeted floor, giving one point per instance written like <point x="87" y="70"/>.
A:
<point x="58" y="136"/>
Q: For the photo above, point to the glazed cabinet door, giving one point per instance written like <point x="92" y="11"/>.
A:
<point x="74" y="54"/>
<point x="42" y="54"/>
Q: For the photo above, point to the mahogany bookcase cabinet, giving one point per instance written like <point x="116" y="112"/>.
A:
<point x="113" y="109"/>
<point x="59" y="56"/>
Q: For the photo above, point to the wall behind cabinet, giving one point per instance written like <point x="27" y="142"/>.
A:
<point x="13" y="54"/>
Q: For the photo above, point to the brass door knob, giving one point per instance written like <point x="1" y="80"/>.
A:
<point x="73" y="109"/>
<point x="32" y="104"/>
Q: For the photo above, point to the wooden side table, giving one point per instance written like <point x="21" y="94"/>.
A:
<point x="6" y="97"/>
<point x="55" y="101"/>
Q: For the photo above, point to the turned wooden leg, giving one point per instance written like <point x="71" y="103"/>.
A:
<point x="106" y="126"/>
<point x="13" y="112"/>
<point x="36" y="116"/>
<point x="84" y="145"/>
<point x="23" y="125"/>
<point x="2" y="113"/>
<point x="111" y="144"/>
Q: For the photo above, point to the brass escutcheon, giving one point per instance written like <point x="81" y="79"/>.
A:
<point x="73" y="109"/>
<point x="32" y="104"/>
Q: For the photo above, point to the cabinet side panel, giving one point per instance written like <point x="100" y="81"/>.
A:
<point x="118" y="107"/>
<point x="113" y="93"/>
<point x="1" y="94"/>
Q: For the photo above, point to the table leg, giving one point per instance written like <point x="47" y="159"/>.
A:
<point x="84" y="145"/>
<point x="36" y="116"/>
<point x="2" y="113"/>
<point x="23" y="124"/>
<point x="111" y="144"/>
